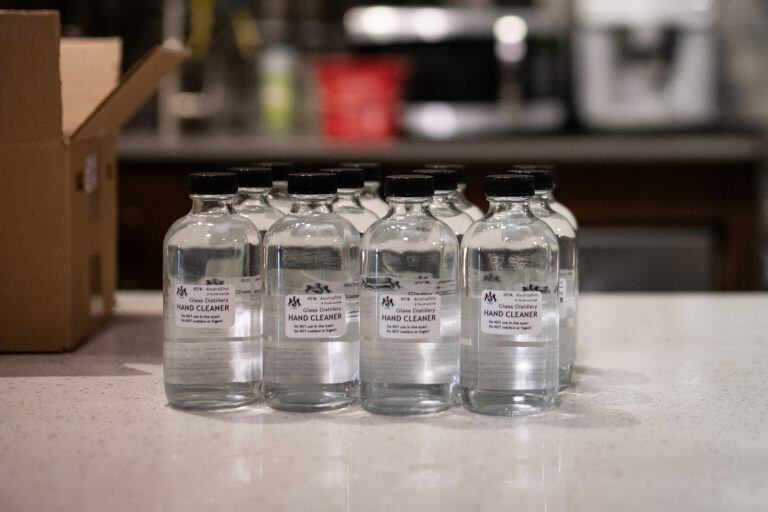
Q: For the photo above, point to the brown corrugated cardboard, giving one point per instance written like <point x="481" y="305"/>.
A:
<point x="61" y="113"/>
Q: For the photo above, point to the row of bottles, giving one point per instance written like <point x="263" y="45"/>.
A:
<point x="290" y="284"/>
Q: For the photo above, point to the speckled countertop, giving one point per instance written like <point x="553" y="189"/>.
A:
<point x="670" y="413"/>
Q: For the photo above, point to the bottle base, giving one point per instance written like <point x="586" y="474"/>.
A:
<point x="310" y="398"/>
<point x="566" y="376"/>
<point x="211" y="396"/>
<point x="404" y="399"/>
<point x="522" y="402"/>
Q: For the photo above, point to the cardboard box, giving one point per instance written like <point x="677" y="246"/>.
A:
<point x="61" y="108"/>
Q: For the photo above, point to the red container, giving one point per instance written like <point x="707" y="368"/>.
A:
<point x="360" y="97"/>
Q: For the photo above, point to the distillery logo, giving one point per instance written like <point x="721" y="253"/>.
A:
<point x="534" y="288"/>
<point x="490" y="297"/>
<point x="317" y="288"/>
<point x="294" y="302"/>
<point x="181" y="291"/>
<point x="387" y="302"/>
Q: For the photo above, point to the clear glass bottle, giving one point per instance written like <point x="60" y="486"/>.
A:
<point x="553" y="203"/>
<point x="278" y="197"/>
<point x="409" y="305"/>
<point x="211" y="300"/>
<point x="509" y="305"/>
<point x="370" y="197"/>
<point x="347" y="203"/>
<point x="568" y="283"/>
<point x="311" y="300"/>
<point x="442" y="206"/>
<point x="253" y="184"/>
<point x="460" y="199"/>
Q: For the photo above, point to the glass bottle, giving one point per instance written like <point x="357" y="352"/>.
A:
<point x="409" y="305"/>
<point x="253" y="184"/>
<point x="553" y="203"/>
<point x="510" y="320"/>
<point x="278" y="197"/>
<point x="311" y="294"/>
<point x="441" y="206"/>
<point x="567" y="287"/>
<point x="370" y="197"/>
<point x="347" y="203"/>
<point x="211" y="300"/>
<point x="460" y="199"/>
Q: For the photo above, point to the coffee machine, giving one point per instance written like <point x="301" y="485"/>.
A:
<point x="645" y="64"/>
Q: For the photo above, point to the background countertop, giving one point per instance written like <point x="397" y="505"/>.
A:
<point x="669" y="413"/>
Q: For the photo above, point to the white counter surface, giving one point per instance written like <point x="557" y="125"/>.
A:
<point x="670" y="413"/>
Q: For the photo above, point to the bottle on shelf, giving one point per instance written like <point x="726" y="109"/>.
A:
<point x="442" y="205"/>
<point x="567" y="287"/>
<point x="311" y="296"/>
<point x="460" y="199"/>
<point x="509" y="305"/>
<point x="253" y="185"/>
<point x="409" y="305"/>
<point x="370" y="197"/>
<point x="347" y="202"/>
<point x="211" y="300"/>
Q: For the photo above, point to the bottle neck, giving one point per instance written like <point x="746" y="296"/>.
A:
<point x="308" y="204"/>
<point x="371" y="186"/>
<point x="443" y="199"/>
<point x="280" y="186"/>
<point x="541" y="200"/>
<point x="348" y="197"/>
<point x="461" y="187"/>
<point x="254" y="196"/>
<point x="213" y="204"/>
<point x="401" y="207"/>
<point x="509" y="206"/>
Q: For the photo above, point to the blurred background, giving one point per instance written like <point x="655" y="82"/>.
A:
<point x="654" y="112"/>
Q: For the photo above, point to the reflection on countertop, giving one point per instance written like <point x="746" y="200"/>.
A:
<point x="666" y="414"/>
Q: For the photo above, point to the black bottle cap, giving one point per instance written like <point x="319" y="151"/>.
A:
<point x="509" y="185"/>
<point x="461" y="169"/>
<point x="212" y="183"/>
<point x="372" y="170"/>
<point x="409" y="185"/>
<point x="280" y="170"/>
<point x="543" y="175"/>
<point x="311" y="183"/>
<point x="445" y="179"/>
<point x="253" y="177"/>
<point x="352" y="177"/>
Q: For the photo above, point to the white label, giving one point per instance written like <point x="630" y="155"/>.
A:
<point x="90" y="173"/>
<point x="316" y="315"/>
<point x="204" y="306"/>
<point x="409" y="316"/>
<point x="561" y="296"/>
<point x="506" y="312"/>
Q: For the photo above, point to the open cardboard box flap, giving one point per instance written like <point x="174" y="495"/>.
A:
<point x="70" y="86"/>
<point x="135" y="88"/>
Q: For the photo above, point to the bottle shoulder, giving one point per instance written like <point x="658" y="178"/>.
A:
<point x="492" y="231"/>
<point x="411" y="231"/>
<point x="558" y="222"/>
<point x="314" y="227"/>
<point x="209" y="230"/>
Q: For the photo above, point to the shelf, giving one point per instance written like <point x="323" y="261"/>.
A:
<point x="671" y="148"/>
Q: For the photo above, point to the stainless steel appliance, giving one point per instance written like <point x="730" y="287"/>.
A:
<point x="645" y="63"/>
